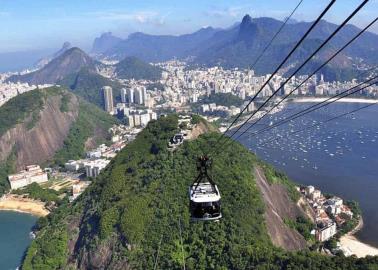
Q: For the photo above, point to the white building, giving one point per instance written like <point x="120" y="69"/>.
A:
<point x="124" y="95"/>
<point x="309" y="190"/>
<point x="130" y="95"/>
<point x="316" y="194"/>
<point x="94" y="167"/>
<point x="325" y="232"/>
<point x="73" y="165"/>
<point x="32" y="174"/>
<point x="108" y="99"/>
<point x="78" y="189"/>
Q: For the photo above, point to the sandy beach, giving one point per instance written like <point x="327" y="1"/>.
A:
<point x="16" y="203"/>
<point x="347" y="100"/>
<point x="352" y="246"/>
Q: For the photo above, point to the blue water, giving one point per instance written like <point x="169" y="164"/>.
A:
<point x="340" y="157"/>
<point x="14" y="237"/>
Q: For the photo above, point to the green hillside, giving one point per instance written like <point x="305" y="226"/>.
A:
<point x="91" y="122"/>
<point x="135" y="216"/>
<point x="87" y="84"/>
<point x="133" y="68"/>
<point x="21" y="107"/>
<point x="25" y="109"/>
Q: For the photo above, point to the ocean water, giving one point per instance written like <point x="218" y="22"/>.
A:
<point x="340" y="157"/>
<point x="14" y="237"/>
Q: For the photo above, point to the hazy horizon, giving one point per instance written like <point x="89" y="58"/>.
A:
<point x="44" y="25"/>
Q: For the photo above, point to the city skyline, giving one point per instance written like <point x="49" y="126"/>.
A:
<point x="50" y="23"/>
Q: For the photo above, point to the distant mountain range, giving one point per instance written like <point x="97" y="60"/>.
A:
<point x="241" y="44"/>
<point x="105" y="42"/>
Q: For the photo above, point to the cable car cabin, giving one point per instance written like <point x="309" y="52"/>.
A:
<point x="205" y="202"/>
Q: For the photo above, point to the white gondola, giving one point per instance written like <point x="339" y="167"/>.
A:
<point x="204" y="195"/>
<point x="205" y="202"/>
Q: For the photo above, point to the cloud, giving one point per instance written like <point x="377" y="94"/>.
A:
<point x="140" y="17"/>
<point x="4" y="14"/>
<point x="233" y="12"/>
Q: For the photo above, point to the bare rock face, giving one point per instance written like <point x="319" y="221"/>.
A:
<point x="278" y="208"/>
<point x="39" y="144"/>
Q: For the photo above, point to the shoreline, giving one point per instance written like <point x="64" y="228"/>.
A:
<point x="351" y="245"/>
<point x="23" y="205"/>
<point x="345" y="100"/>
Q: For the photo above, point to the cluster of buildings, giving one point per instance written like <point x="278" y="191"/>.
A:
<point x="329" y="213"/>
<point x="9" y="90"/>
<point x="134" y="107"/>
<point x="136" y="94"/>
<point x="135" y="117"/>
<point x="31" y="174"/>
<point x="182" y="86"/>
<point x="96" y="160"/>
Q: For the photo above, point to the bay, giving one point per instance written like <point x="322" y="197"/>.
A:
<point x="14" y="237"/>
<point x="340" y="157"/>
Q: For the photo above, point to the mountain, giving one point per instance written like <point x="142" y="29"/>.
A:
<point x="240" y="45"/>
<point x="71" y="61"/>
<point x="105" y="42"/>
<point x="87" y="84"/>
<point x="152" y="48"/>
<point x="133" y="68"/>
<point x="44" y="61"/>
<point x="48" y="125"/>
<point x="135" y="214"/>
<point x="248" y="40"/>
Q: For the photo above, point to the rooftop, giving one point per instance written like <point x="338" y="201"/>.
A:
<point x="205" y="192"/>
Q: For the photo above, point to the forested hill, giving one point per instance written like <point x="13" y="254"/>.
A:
<point x="135" y="215"/>
<point x="47" y="125"/>
<point x="134" y="68"/>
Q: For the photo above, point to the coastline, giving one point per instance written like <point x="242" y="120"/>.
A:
<point x="345" y="100"/>
<point x="23" y="205"/>
<point x="350" y="245"/>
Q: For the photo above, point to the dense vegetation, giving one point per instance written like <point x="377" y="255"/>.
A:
<point x="135" y="215"/>
<point x="36" y="192"/>
<point x="133" y="68"/>
<point x="91" y="122"/>
<point x="88" y="84"/>
<point x="24" y="109"/>
<point x="222" y="99"/>
<point x="6" y="168"/>
<point x="17" y="109"/>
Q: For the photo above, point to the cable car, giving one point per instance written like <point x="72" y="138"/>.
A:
<point x="205" y="204"/>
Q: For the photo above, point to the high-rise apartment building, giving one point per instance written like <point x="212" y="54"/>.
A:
<point x="108" y="99"/>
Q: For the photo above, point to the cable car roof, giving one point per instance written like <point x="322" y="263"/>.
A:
<point x="205" y="192"/>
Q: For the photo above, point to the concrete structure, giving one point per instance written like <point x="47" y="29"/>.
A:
<point x="73" y="165"/>
<point x="78" y="189"/>
<point x="108" y="99"/>
<point x="94" y="167"/>
<point x="325" y="231"/>
<point x="32" y="174"/>
<point x="130" y="95"/>
<point x="316" y="194"/>
<point x="124" y="95"/>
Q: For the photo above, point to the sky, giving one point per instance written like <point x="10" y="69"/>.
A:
<point x="40" y="24"/>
